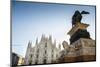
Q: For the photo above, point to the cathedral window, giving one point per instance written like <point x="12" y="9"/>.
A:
<point x="56" y="56"/>
<point x="52" y="61"/>
<point x="52" y="51"/>
<point x="44" y="61"/>
<point x="37" y="50"/>
<point x="45" y="51"/>
<point x="37" y="53"/>
<point x="36" y="61"/>
<point x="45" y="44"/>
<point x="52" y="55"/>
<point x="31" y="55"/>
<point x="30" y="61"/>
<point x="37" y="56"/>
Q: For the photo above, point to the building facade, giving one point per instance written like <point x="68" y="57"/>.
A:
<point x="44" y="52"/>
<point x="21" y="60"/>
<point x="15" y="59"/>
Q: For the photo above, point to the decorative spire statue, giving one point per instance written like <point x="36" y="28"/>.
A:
<point x="50" y="37"/>
<point x="55" y="42"/>
<point x="29" y="44"/>
<point x="37" y="41"/>
<point x="43" y="37"/>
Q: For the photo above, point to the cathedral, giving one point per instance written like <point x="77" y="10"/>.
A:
<point x="44" y="52"/>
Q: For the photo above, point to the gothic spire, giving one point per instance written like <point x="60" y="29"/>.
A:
<point x="50" y="37"/>
<point x="54" y="42"/>
<point x="29" y="44"/>
<point x="36" y="41"/>
<point x="43" y="37"/>
<point x="60" y="46"/>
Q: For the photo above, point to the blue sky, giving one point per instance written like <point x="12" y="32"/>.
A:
<point x="30" y="20"/>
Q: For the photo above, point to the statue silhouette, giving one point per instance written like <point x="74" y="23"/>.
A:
<point x="77" y="17"/>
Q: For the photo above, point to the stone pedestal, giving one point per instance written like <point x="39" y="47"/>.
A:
<point x="78" y="31"/>
<point x="82" y="48"/>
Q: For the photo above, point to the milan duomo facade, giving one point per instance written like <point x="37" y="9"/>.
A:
<point x="44" y="52"/>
